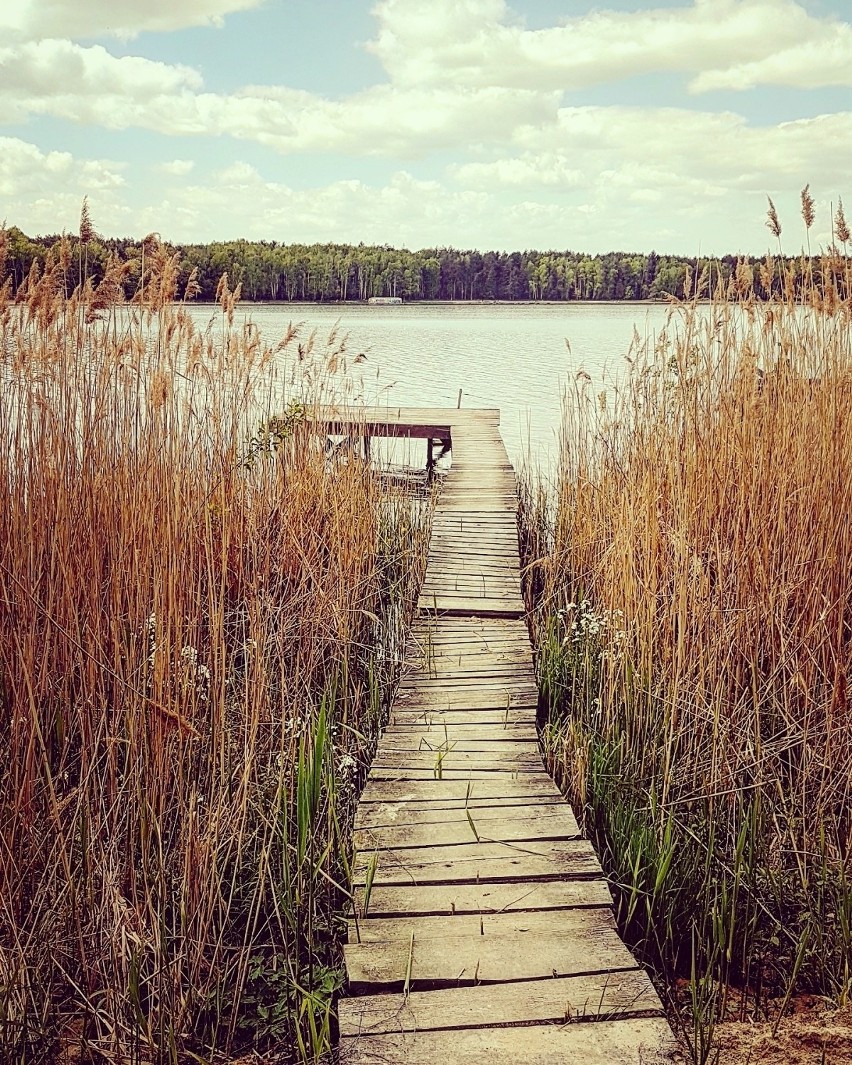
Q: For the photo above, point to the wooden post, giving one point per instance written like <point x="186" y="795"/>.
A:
<point x="430" y="458"/>
<point x="458" y="405"/>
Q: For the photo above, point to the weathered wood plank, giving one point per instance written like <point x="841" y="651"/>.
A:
<point x="469" y="670"/>
<point x="449" y="693"/>
<point x="482" y="634"/>
<point x="429" y="734"/>
<point x="481" y="959"/>
<point x="457" y="693"/>
<point x="435" y="717"/>
<point x="481" y="862"/>
<point x="453" y="791"/>
<point x="515" y="646"/>
<point x="474" y="579"/>
<point x="453" y="628"/>
<point x="463" y="699"/>
<point x="475" y="608"/>
<point x="507" y="681"/>
<point x="448" y="812"/>
<point x="444" y="740"/>
<point x="584" y="922"/>
<point x="625" y="1041"/>
<point x="458" y="761"/>
<point x="479" y="724"/>
<point x="406" y="900"/>
<point x="479" y="773"/>
<point x="554" y="1001"/>
<point x="556" y="824"/>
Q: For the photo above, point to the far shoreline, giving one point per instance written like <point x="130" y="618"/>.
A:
<point x="451" y="303"/>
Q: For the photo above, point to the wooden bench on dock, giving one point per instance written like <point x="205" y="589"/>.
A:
<point x="482" y="928"/>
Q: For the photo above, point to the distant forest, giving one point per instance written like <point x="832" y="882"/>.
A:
<point x="267" y="270"/>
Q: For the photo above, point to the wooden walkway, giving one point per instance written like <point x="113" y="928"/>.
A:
<point x="483" y="929"/>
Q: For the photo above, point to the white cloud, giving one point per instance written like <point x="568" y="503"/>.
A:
<point x="89" y="85"/>
<point x="385" y="120"/>
<point x="547" y="169"/>
<point x="42" y="191"/>
<point x="629" y="202"/>
<point x="463" y="74"/>
<point x="476" y="42"/>
<point x="176" y="167"/>
<point x="641" y="169"/>
<point x="810" y="64"/>
<point x="85" y="84"/>
<point x="32" y="20"/>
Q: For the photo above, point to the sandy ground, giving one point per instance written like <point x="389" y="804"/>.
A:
<point x="811" y="1034"/>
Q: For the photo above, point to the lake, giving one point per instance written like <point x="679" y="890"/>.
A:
<point x="517" y="357"/>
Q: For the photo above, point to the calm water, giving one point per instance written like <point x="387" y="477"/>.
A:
<point x="517" y="357"/>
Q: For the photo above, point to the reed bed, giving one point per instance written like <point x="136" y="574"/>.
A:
<point x="689" y="583"/>
<point x="201" y="618"/>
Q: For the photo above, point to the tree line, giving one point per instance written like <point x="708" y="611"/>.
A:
<point x="271" y="271"/>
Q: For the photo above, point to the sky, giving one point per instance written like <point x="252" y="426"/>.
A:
<point x="494" y="124"/>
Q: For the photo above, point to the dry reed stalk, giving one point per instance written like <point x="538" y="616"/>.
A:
<point x="188" y="621"/>
<point x="709" y="502"/>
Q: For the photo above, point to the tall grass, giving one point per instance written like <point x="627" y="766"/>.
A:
<point x="200" y="622"/>
<point x="690" y="591"/>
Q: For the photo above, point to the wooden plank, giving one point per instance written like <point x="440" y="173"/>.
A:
<point x="515" y="752"/>
<point x="475" y="663"/>
<point x="476" y="634"/>
<point x="453" y="627"/>
<point x="506" y="680"/>
<point x="484" y="585"/>
<point x="470" y="672"/>
<point x="452" y="669"/>
<point x="475" y="608"/>
<point x="465" y="699"/>
<point x="555" y="824"/>
<point x="505" y="690"/>
<point x="477" y="652"/>
<point x="464" y="696"/>
<point x="483" y="959"/>
<point x="555" y="1001"/>
<point x="437" y="739"/>
<point x="461" y="667"/>
<point x="429" y="634"/>
<point x="439" y="762"/>
<point x="474" y="586"/>
<point x="493" y="732"/>
<point x="464" y="666"/>
<point x="514" y="717"/>
<point x="472" y="577"/>
<point x="624" y="1041"/>
<point x="453" y="791"/>
<point x="449" y="812"/>
<point x="473" y="774"/>
<point x="582" y="922"/>
<point x="474" y="568"/>
<point x="433" y="740"/>
<point x="407" y="900"/>
<point x="419" y="693"/>
<point x="481" y="862"/>
<point x="472" y="516"/>
<point x="450" y="587"/>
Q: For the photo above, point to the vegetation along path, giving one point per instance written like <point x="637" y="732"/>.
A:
<point x="482" y="927"/>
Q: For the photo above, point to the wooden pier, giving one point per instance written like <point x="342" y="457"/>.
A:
<point x="483" y="929"/>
